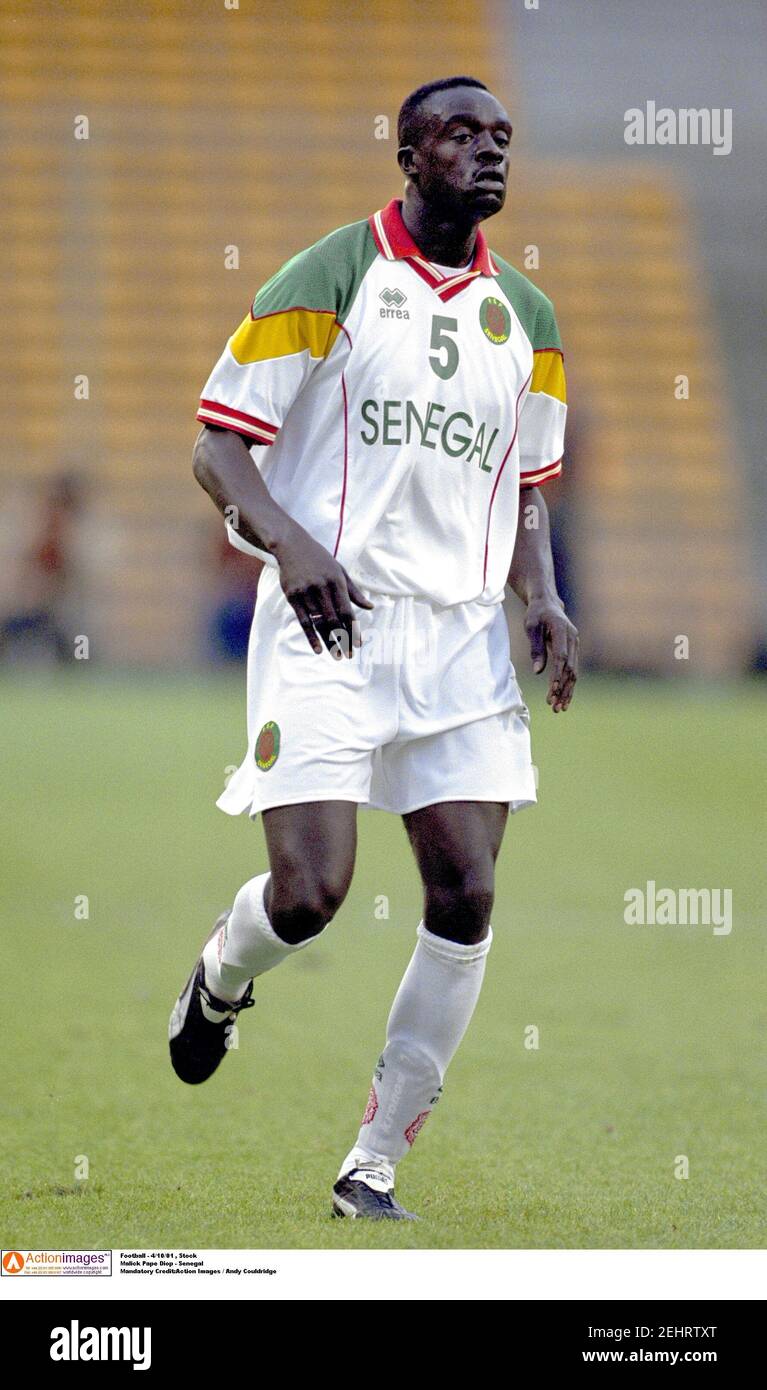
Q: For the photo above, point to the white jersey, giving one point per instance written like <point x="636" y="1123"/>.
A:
<point x="402" y="406"/>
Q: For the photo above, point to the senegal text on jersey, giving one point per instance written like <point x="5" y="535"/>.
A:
<point x="393" y="430"/>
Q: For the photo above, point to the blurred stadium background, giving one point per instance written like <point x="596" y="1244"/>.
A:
<point x="253" y="128"/>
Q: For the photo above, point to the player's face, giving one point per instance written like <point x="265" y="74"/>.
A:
<point x="462" y="159"/>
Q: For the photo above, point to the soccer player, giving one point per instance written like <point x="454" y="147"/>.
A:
<point x="366" y="433"/>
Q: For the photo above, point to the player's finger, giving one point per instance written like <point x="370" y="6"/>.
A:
<point x="327" y="621"/>
<point x="298" y="605"/>
<point x="557" y="644"/>
<point x="346" y="627"/>
<point x="337" y="630"/>
<point x="566" y="691"/>
<point x="552" y="696"/>
<point x="570" y="671"/>
<point x="572" y="650"/>
<point x="537" y="641"/>
<point x="356" y="595"/>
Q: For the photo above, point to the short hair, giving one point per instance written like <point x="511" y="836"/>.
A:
<point x="408" y="124"/>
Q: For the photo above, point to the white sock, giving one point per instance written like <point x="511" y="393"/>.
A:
<point x="369" y="1168"/>
<point x="430" y="1014"/>
<point x="247" y="944"/>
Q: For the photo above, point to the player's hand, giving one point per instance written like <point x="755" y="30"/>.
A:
<point x="321" y="595"/>
<point x="551" y="634"/>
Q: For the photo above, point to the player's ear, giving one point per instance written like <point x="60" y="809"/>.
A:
<point x="406" y="159"/>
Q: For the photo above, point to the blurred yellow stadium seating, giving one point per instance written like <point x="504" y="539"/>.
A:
<point x="256" y="128"/>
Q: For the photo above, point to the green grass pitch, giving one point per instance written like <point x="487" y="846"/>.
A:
<point x="651" y="1038"/>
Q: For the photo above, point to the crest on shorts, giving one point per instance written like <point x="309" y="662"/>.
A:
<point x="495" y="320"/>
<point x="268" y="746"/>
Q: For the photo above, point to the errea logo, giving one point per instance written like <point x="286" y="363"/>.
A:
<point x="393" y="299"/>
<point x="76" y="1343"/>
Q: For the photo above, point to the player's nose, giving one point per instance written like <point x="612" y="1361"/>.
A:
<point x="488" y="156"/>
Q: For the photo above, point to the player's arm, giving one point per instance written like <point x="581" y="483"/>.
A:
<point x="532" y="578"/>
<point x="316" y="586"/>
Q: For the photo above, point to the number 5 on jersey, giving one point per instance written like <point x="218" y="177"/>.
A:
<point x="440" y="342"/>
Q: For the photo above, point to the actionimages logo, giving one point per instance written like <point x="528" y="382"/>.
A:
<point x="25" y="1263"/>
<point x="76" y="1343"/>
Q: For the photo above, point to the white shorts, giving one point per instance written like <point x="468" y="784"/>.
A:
<point x="427" y="710"/>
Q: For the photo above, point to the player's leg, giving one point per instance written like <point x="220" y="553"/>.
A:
<point x="311" y="848"/>
<point x="311" y="852"/>
<point x="456" y="845"/>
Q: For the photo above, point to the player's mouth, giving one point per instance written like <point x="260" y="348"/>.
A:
<point x="490" y="178"/>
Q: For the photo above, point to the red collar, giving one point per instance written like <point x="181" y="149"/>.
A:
<point x="395" y="243"/>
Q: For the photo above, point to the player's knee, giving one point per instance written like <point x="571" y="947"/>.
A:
<point x="459" y="909"/>
<point x="304" y="902"/>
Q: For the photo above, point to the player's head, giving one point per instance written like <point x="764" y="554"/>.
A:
<point x="454" y="139"/>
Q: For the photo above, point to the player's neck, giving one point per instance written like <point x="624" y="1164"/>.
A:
<point x="444" y="241"/>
